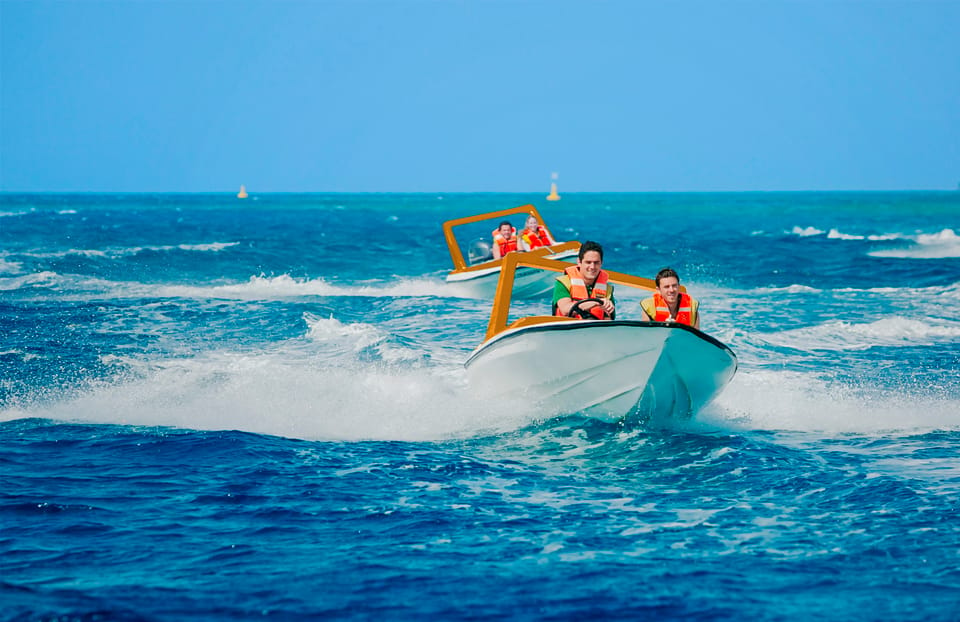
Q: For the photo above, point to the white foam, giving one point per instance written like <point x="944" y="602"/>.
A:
<point x="10" y="267"/>
<point x="299" y="394"/>
<point x="295" y="397"/>
<point x="805" y="232"/>
<point x="36" y="279"/>
<point x="834" y="234"/>
<point x="213" y="247"/>
<point x="942" y="245"/>
<point x="789" y="289"/>
<point x="19" y="354"/>
<point x="321" y="388"/>
<point x="17" y="213"/>
<point x="255" y="288"/>
<point x="780" y="400"/>
<point x="285" y="286"/>
<point x="355" y="337"/>
<point x="945" y="236"/>
<point x="840" y="335"/>
<point x="127" y="251"/>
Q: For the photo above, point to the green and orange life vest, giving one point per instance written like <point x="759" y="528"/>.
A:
<point x="578" y="290"/>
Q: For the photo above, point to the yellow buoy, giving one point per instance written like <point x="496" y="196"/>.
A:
<point x="243" y="192"/>
<point x="553" y="196"/>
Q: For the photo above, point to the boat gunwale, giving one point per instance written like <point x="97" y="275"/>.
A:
<point x="511" y="333"/>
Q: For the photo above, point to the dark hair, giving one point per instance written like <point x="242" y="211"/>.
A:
<point x="666" y="272"/>
<point x="505" y="222"/>
<point x="588" y="246"/>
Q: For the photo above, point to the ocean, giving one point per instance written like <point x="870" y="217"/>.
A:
<point x="225" y="409"/>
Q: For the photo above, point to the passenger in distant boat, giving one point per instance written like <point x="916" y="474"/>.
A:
<point x="586" y="280"/>
<point x="504" y="239"/>
<point x="534" y="235"/>
<point x="669" y="304"/>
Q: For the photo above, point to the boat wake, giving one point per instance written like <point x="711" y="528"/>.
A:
<point x="802" y="402"/>
<point x="295" y="394"/>
<point x="258" y="287"/>
<point x="283" y="394"/>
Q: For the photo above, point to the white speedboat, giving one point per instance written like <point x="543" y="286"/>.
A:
<point x="605" y="369"/>
<point x="476" y="275"/>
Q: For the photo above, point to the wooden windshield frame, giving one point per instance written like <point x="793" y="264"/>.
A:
<point x="456" y="254"/>
<point x="500" y="312"/>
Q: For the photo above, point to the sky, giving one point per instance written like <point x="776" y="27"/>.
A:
<point x="479" y="95"/>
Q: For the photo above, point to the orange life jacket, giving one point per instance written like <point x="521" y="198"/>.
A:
<point x="536" y="240"/>
<point x="506" y="246"/>
<point x="684" y="310"/>
<point x="578" y="290"/>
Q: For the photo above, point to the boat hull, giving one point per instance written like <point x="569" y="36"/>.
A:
<point x="606" y="370"/>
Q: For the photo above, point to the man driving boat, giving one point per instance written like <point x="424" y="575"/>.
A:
<point x="504" y="239"/>
<point x="585" y="282"/>
<point x="669" y="304"/>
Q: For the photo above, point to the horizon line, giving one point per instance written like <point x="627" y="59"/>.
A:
<point x="473" y="192"/>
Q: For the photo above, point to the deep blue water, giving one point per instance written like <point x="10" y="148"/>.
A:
<point x="221" y="409"/>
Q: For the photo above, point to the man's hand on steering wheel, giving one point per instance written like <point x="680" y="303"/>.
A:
<point x="576" y="309"/>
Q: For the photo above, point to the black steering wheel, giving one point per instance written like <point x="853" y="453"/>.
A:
<point x="584" y="314"/>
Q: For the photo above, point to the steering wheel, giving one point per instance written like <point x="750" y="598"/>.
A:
<point x="584" y="314"/>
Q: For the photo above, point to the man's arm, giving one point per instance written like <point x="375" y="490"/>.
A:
<point x="643" y="308"/>
<point x="561" y="298"/>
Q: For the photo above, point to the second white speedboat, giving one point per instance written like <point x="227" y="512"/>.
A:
<point x="476" y="275"/>
<point x="609" y="370"/>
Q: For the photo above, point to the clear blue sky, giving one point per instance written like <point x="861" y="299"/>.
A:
<point x="447" y="95"/>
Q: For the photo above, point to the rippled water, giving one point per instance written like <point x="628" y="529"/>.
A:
<point x="222" y="409"/>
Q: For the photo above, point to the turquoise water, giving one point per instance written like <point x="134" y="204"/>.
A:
<point x="223" y="409"/>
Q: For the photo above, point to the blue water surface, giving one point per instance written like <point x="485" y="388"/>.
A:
<point x="223" y="409"/>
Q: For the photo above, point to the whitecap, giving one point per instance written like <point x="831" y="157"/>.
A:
<point x="213" y="246"/>
<point x="17" y="213"/>
<point x="944" y="244"/>
<point x="806" y="231"/>
<point x="286" y="286"/>
<point x="788" y="289"/>
<point x="838" y="335"/>
<point x="835" y="234"/>
<point x="27" y="281"/>
<point x="10" y="267"/>
<point x="128" y="251"/>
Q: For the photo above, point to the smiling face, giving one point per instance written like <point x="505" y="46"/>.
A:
<point x="590" y="265"/>
<point x="532" y="223"/>
<point x="506" y="231"/>
<point x="669" y="288"/>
